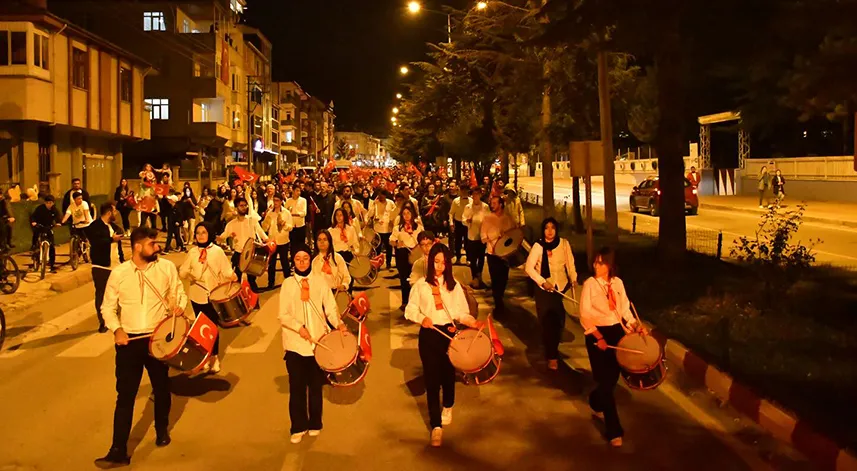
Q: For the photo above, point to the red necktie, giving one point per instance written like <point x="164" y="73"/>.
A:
<point x="326" y="267"/>
<point x="611" y="297"/>
<point x="408" y="228"/>
<point x="304" y="290"/>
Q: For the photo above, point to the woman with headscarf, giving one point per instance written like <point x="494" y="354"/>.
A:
<point x="551" y="266"/>
<point x="206" y="267"/>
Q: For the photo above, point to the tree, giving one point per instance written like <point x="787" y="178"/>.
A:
<point x="342" y="149"/>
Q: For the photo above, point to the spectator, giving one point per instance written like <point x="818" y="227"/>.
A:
<point x="77" y="186"/>
<point x="7" y="218"/>
<point x="43" y="219"/>
<point x="694" y="177"/>
<point x="778" y="183"/>
<point x="121" y="195"/>
<point x="764" y="182"/>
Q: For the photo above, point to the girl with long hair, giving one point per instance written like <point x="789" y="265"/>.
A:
<point x="404" y="238"/>
<point x="330" y="264"/>
<point x="345" y="241"/>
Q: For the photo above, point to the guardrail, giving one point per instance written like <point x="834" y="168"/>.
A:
<point x="835" y="168"/>
<point x="563" y="169"/>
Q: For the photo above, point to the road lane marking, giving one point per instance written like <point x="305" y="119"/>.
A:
<point x="401" y="335"/>
<point x="91" y="346"/>
<point x="294" y="459"/>
<point x="258" y="336"/>
<point x="49" y="329"/>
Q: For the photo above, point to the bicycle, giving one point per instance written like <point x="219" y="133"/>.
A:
<point x="42" y="251"/>
<point x="10" y="276"/>
<point x="78" y="246"/>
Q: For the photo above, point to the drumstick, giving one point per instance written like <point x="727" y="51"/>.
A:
<point x="312" y="341"/>
<point x="144" y="336"/>
<point x="629" y="350"/>
<point x="475" y="337"/>
<point x="562" y="294"/>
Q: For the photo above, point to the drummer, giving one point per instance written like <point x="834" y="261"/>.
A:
<point x="494" y="226"/>
<point x="329" y="264"/>
<point x="404" y="237"/>
<point x="353" y="219"/>
<point x="206" y="267"/>
<point x="132" y="309"/>
<point x="380" y="216"/>
<point x="551" y="266"/>
<point x="438" y="302"/>
<point x="425" y="240"/>
<point x="241" y="229"/>
<point x="278" y="224"/>
<point x="604" y="305"/>
<point x="345" y="241"/>
<point x="306" y="307"/>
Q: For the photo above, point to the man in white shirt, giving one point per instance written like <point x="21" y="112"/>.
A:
<point x="472" y="217"/>
<point x="306" y="306"/>
<point x="78" y="211"/>
<point x="278" y="225"/>
<point x="457" y="229"/>
<point x="241" y="229"/>
<point x="494" y="225"/>
<point x="140" y="294"/>
<point x="425" y="240"/>
<point x="381" y="214"/>
<point x="297" y="207"/>
<point x="356" y="205"/>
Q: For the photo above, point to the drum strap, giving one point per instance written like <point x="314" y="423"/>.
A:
<point x="155" y="290"/>
<point x="613" y="303"/>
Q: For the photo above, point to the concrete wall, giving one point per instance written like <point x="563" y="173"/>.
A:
<point x="809" y="190"/>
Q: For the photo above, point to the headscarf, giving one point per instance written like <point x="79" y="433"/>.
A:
<point x="294" y="253"/>
<point x="203" y="246"/>
<point x="548" y="247"/>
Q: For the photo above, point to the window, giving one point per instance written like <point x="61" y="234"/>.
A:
<point x="257" y="125"/>
<point x="185" y="26"/>
<point x="234" y="83"/>
<point x="159" y="108"/>
<point x="40" y="51"/>
<point x="289" y="136"/>
<point x="125" y="84"/>
<point x="275" y="138"/>
<point x="154" y="21"/>
<point x="4" y="48"/>
<point x="275" y="114"/>
<point x="236" y="120"/>
<point x="205" y="112"/>
<point x="19" y="47"/>
<point x="288" y="115"/>
<point x="79" y="60"/>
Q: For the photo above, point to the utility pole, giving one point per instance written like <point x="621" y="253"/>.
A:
<point x="610" y="211"/>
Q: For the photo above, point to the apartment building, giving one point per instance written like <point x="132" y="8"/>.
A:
<point x="290" y="97"/>
<point x="361" y="146"/>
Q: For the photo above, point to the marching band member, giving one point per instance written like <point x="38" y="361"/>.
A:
<point x="345" y="241"/>
<point x="437" y="302"/>
<point x="353" y="219"/>
<point x="494" y="225"/>
<point x="457" y="229"/>
<point x="132" y="308"/>
<point x="241" y="229"/>
<point x="604" y="305"/>
<point x="206" y="267"/>
<point x="426" y="240"/>
<point x="380" y="215"/>
<point x="278" y="225"/>
<point x="306" y="306"/>
<point x="297" y="207"/>
<point x="472" y="217"/>
<point x="405" y="239"/>
<point x="551" y="265"/>
<point x="513" y="205"/>
<point x="329" y="264"/>
<point x="356" y="206"/>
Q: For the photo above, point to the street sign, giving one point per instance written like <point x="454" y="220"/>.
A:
<point x="580" y="153"/>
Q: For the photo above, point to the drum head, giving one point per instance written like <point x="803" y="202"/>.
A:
<point x="365" y="248"/>
<point x="340" y="352"/>
<point x="360" y="267"/>
<point x="225" y="291"/>
<point x="343" y="299"/>
<point x="246" y="254"/>
<point x="416" y="254"/>
<point x="469" y="357"/>
<point x="509" y="243"/>
<point x="369" y="234"/>
<point x="162" y="344"/>
<point x="636" y="362"/>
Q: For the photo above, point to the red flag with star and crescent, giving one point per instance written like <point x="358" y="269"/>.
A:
<point x="495" y="339"/>
<point x="365" y="343"/>
<point x="204" y="332"/>
<point x="361" y="305"/>
<point x="248" y="295"/>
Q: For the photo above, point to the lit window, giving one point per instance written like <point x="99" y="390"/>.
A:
<point x="206" y="112"/>
<point x="236" y="120"/>
<point x="185" y="26"/>
<point x="154" y="21"/>
<point x="289" y="136"/>
<point x="159" y="108"/>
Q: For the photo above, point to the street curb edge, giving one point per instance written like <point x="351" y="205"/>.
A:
<point x="836" y="222"/>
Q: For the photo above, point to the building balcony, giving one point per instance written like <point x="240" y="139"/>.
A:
<point x="211" y="132"/>
<point x="208" y="87"/>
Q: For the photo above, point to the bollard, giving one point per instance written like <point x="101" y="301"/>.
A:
<point x="719" y="245"/>
<point x="634" y="225"/>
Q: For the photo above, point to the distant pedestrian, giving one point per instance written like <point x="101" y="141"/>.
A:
<point x="764" y="182"/>
<point x="694" y="177"/>
<point x="778" y="183"/>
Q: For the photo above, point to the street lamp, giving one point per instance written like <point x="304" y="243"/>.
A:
<point x="395" y="111"/>
<point x="481" y="5"/>
<point x="404" y="70"/>
<point x="398" y="96"/>
<point x="414" y="7"/>
<point x="393" y="119"/>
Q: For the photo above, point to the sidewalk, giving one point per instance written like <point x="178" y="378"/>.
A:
<point x="844" y="214"/>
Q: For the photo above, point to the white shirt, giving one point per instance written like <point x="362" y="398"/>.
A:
<point x="244" y="230"/>
<point x="472" y="217"/>
<point x="252" y="212"/>
<point x="339" y="270"/>
<point x="382" y="214"/>
<point x="340" y="245"/>
<point x="295" y="313"/>
<point x="456" y="210"/>
<point x="297" y="208"/>
<point x="595" y="308"/>
<point x="418" y="270"/>
<point x="79" y="214"/>
<point x="561" y="262"/>
<point x="409" y="240"/>
<point x="421" y="304"/>
<point x="273" y="221"/>
<point x="141" y="309"/>
<point x="356" y="206"/>
<point x="515" y="211"/>
<point x="216" y="270"/>
<point x="493" y="227"/>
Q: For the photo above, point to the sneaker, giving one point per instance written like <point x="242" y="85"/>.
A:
<point x="215" y="364"/>
<point x="114" y="459"/>
<point x="436" y="437"/>
<point x="297" y="437"/>
<point x="616" y="442"/>
<point x="553" y="365"/>
<point x="446" y="416"/>
<point x="53" y="270"/>
<point x="314" y="433"/>
<point x="760" y="206"/>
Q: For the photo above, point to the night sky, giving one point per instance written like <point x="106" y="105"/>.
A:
<point x="348" y="51"/>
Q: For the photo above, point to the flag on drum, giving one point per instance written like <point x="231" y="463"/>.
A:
<point x="361" y="305"/>
<point x="204" y="331"/>
<point x="249" y="296"/>
<point x="365" y="343"/>
<point x="495" y="339"/>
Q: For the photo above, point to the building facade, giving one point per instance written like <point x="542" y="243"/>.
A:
<point x="71" y="103"/>
<point x="361" y="146"/>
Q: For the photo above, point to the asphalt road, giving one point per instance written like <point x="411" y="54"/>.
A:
<point x="838" y="243"/>
<point x="57" y="393"/>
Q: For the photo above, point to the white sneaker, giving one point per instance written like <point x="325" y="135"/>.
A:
<point x="446" y="416"/>
<point x="297" y="437"/>
<point x="215" y="364"/>
<point x="314" y="433"/>
<point x="436" y="436"/>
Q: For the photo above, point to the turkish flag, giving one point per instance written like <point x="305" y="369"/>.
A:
<point x="246" y="176"/>
<point x="378" y="261"/>
<point x="343" y="177"/>
<point x="162" y="189"/>
<point x="365" y="343"/>
<point x="272" y="246"/>
<point x="360" y="303"/>
<point x="416" y="171"/>
<point x="391" y="187"/>
<point x="473" y="181"/>
<point x="248" y="295"/>
<point x="204" y="332"/>
<point x="329" y="167"/>
<point x="495" y="339"/>
<point x="147" y="204"/>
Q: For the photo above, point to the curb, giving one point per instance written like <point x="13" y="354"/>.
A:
<point x="74" y="280"/>
<point x="781" y="423"/>
<point x="821" y="220"/>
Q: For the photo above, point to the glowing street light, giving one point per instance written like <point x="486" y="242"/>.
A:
<point x="404" y="70"/>
<point x="393" y="119"/>
<point x="395" y="111"/>
<point x="398" y="96"/>
<point x="481" y="5"/>
<point x="414" y="7"/>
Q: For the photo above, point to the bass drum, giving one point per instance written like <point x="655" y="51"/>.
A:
<point x="641" y="371"/>
<point x="177" y="349"/>
<point x="338" y="355"/>
<point x="229" y="304"/>
<point x="513" y="248"/>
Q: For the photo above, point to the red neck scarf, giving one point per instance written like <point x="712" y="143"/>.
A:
<point x="342" y="235"/>
<point x="326" y="267"/>
<point x="203" y="255"/>
<point x="304" y="290"/>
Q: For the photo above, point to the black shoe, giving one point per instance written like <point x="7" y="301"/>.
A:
<point x="53" y="270"/>
<point x="166" y="251"/>
<point x="163" y="439"/>
<point x="114" y="459"/>
<point x="102" y="328"/>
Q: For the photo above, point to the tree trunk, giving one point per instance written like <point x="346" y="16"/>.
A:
<point x="575" y="206"/>
<point x="611" y="216"/>
<point x="504" y="165"/>
<point x="547" y="149"/>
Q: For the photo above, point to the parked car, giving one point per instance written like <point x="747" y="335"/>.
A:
<point x="647" y="196"/>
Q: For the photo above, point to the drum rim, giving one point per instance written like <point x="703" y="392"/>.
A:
<point x="227" y="298"/>
<point x="499" y="363"/>
<point x="180" y="345"/>
<point x="351" y="362"/>
<point x="345" y="385"/>
<point x="660" y="381"/>
<point x="245" y="257"/>
<point x="351" y="265"/>
<point x="490" y="357"/>
<point x="651" y="366"/>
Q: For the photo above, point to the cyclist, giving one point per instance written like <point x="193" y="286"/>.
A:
<point x="79" y="213"/>
<point x="68" y="198"/>
<point x="43" y="219"/>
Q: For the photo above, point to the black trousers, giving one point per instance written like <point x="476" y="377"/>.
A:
<point x="457" y="237"/>
<point x="438" y="372"/>
<point x="52" y="252"/>
<point x="282" y="253"/>
<point x="305" y="400"/>
<point x="165" y="209"/>
<point x="403" y="265"/>
<point x="298" y="235"/>
<point x="388" y="249"/>
<point x="148" y="217"/>
<point x="499" y="271"/>
<point x="476" y="257"/>
<point x="130" y="361"/>
<point x="348" y="257"/>
<point x="210" y="313"/>
<point x="236" y="258"/>
<point x="551" y="314"/>
<point x="99" y="279"/>
<point x="126" y="218"/>
<point x="173" y="230"/>
<point x="605" y="371"/>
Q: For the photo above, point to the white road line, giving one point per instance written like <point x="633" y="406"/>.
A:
<point x="294" y="459"/>
<point x="401" y="335"/>
<point x="258" y="336"/>
<point x="51" y="328"/>
<point x="91" y="346"/>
